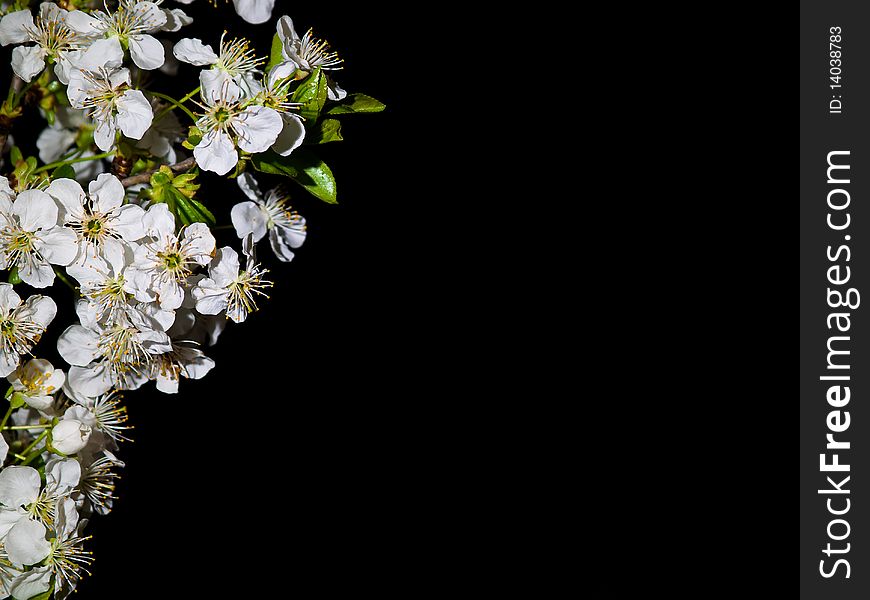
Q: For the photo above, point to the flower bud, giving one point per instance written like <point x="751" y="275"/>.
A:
<point x="70" y="436"/>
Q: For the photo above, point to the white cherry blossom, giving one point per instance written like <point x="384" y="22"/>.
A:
<point x="52" y="37"/>
<point x="129" y="26"/>
<point x="36" y="381"/>
<point x="21" y="325"/>
<point x="270" y="214"/>
<point x="30" y="238"/>
<point x="104" y="226"/>
<point x="111" y="103"/>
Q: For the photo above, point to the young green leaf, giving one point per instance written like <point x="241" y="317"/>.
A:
<point x="329" y="130"/>
<point x="311" y="93"/>
<point x="357" y="103"/>
<point x="62" y="171"/>
<point x="275" y="56"/>
<point x="304" y="168"/>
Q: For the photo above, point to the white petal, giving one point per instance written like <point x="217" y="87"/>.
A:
<point x="211" y="299"/>
<point x="194" y="52"/>
<point x="104" y="134"/>
<point x="150" y="13"/>
<point x="129" y="222"/>
<point x="134" y="113"/>
<point x="58" y="245"/>
<point x="28" y="61"/>
<point x="62" y="474"/>
<point x="199" y="366"/>
<point x="67" y="516"/>
<point x="218" y="84"/>
<point x="9" y="299"/>
<point x="159" y="223"/>
<point x="281" y="71"/>
<point x="90" y="381"/>
<point x="107" y="193"/>
<point x="171" y="295"/>
<point x="70" y="436"/>
<point x="54" y="143"/>
<point x="146" y="51"/>
<point x="175" y="19"/>
<point x="39" y="309"/>
<point x="14" y="26"/>
<point x="35" y="210"/>
<point x="291" y="135"/>
<point x="279" y="246"/>
<point x="286" y="31"/>
<point x="78" y="346"/>
<point x="70" y="195"/>
<point x="32" y="583"/>
<point x="19" y="486"/>
<point x="254" y="11"/>
<point x="26" y="543"/>
<point x="200" y="242"/>
<point x="81" y="22"/>
<point x="225" y="267"/>
<point x="216" y="153"/>
<point x="105" y="52"/>
<point x="258" y="127"/>
<point x="37" y="273"/>
<point x="248" y="218"/>
<point x="249" y="186"/>
<point x="4" y="449"/>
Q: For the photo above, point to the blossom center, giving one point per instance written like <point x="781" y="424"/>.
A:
<point x="237" y="57"/>
<point x="53" y="36"/>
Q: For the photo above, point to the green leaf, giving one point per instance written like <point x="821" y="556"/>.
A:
<point x="357" y="103"/>
<point x="66" y="171"/>
<point x="15" y="155"/>
<point x="304" y="168"/>
<point x="312" y="95"/>
<point x="329" y="130"/>
<point x="275" y="55"/>
<point x="194" y="137"/>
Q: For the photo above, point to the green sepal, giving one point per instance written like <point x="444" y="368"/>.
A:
<point x="17" y="400"/>
<point x="13" y="278"/>
<point x="194" y="137"/>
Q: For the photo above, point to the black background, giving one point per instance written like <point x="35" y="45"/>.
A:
<point x="821" y="133"/>
<point x="291" y="463"/>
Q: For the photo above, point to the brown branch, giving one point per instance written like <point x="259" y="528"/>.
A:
<point x="6" y="122"/>
<point x="145" y="177"/>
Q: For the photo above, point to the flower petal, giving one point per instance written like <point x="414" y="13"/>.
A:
<point x="258" y="127"/>
<point x="107" y="193"/>
<point x="291" y="135"/>
<point x="78" y="346"/>
<point x="9" y="299"/>
<point x="54" y="143"/>
<point x="216" y="153"/>
<point x="26" y="543"/>
<point x="134" y="113"/>
<point x="14" y="26"/>
<point x="104" y="134"/>
<point x="90" y="381"/>
<point x="104" y="53"/>
<point x="19" y="486"/>
<point x="28" y="61"/>
<point x="146" y="52"/>
<point x="39" y="309"/>
<point x="83" y="23"/>
<point x="70" y="195"/>
<point x="37" y="273"/>
<point x="254" y="11"/>
<point x="58" y="245"/>
<point x="32" y="583"/>
<point x="129" y="222"/>
<point x="248" y="218"/>
<point x="35" y="210"/>
<point x="194" y="52"/>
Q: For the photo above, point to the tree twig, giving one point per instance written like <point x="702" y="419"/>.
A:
<point x="145" y="177"/>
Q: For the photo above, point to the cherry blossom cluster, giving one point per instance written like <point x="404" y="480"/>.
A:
<point x="111" y="209"/>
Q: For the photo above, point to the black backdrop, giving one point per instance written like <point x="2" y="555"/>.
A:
<point x="286" y="463"/>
